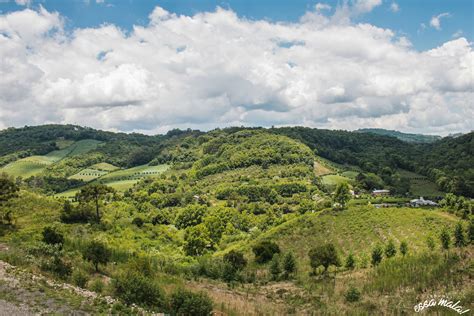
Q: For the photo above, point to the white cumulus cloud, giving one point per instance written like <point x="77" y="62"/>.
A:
<point x="217" y="69"/>
<point x="436" y="20"/>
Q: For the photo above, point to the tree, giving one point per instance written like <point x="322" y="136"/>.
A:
<point x="197" y="240"/>
<point x="264" y="251"/>
<point x="459" y="237"/>
<point x="404" y="248"/>
<point x="324" y="255"/>
<point x="236" y="259"/>
<point x="97" y="253"/>
<point x="184" y="302"/>
<point x="135" y="288"/>
<point x="94" y="193"/>
<point x="350" y="261"/>
<point x="52" y="236"/>
<point x="430" y="243"/>
<point x="190" y="216"/>
<point x="390" y="250"/>
<point x="289" y="264"/>
<point x="8" y="189"/>
<point x="470" y="231"/>
<point x="275" y="268"/>
<point x="138" y="221"/>
<point x="342" y="194"/>
<point x="377" y="255"/>
<point x="445" y="239"/>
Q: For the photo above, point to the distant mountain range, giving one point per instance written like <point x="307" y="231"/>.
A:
<point x="406" y="137"/>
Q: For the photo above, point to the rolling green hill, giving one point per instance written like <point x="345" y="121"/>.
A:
<point x="406" y="137"/>
<point x="34" y="165"/>
<point x="192" y="207"/>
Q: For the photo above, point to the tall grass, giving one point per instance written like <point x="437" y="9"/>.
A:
<point x="420" y="272"/>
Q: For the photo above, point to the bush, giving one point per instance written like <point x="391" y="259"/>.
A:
<point x="352" y="295"/>
<point x="289" y="264"/>
<point x="183" y="302"/>
<point x="96" y="252"/>
<point x="97" y="286"/>
<point x="390" y="250"/>
<point x="79" y="278"/>
<point x="350" y="262"/>
<point x="52" y="236"/>
<point x="138" y="221"/>
<point x="236" y="259"/>
<point x="264" y="251"/>
<point x="324" y="255"/>
<point x="377" y="255"/>
<point x="135" y="288"/>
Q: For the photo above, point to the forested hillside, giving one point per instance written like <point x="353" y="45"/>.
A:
<point x="267" y="221"/>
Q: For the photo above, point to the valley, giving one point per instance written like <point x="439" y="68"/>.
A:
<point x="237" y="221"/>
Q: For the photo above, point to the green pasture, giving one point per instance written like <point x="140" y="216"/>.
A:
<point x="33" y="165"/>
<point x="334" y="179"/>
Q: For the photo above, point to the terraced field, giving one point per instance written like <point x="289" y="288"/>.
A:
<point x="121" y="180"/>
<point x="33" y="165"/>
<point x="421" y="185"/>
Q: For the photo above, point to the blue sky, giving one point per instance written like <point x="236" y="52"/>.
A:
<point x="151" y="66"/>
<point x="407" y="20"/>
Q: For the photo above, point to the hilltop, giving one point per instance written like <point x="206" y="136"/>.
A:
<point x="208" y="211"/>
<point x="406" y="137"/>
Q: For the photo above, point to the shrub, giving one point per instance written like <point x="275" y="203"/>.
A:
<point x="79" y="278"/>
<point x="97" y="253"/>
<point x="289" y="264"/>
<point x="275" y="268"/>
<point x="350" y="262"/>
<point x="183" y="302"/>
<point x="236" y="259"/>
<point x="352" y="295"/>
<point x="445" y="239"/>
<point x="197" y="240"/>
<point x="324" y="255"/>
<point x="390" y="250"/>
<point x="377" y="255"/>
<point x="135" y="288"/>
<point x="459" y="237"/>
<point x="97" y="286"/>
<point x="264" y="251"/>
<point x="404" y="248"/>
<point x="52" y="237"/>
<point x="138" y="221"/>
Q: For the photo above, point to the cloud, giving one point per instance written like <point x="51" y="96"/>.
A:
<point x="457" y="34"/>
<point x="23" y="2"/>
<point x="364" y="6"/>
<point x="322" y="6"/>
<point x="436" y="20"/>
<point x="217" y="69"/>
<point x="394" y="7"/>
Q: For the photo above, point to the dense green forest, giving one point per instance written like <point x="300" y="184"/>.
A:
<point x="406" y="137"/>
<point x="237" y="221"/>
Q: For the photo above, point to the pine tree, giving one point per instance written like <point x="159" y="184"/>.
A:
<point x="390" y="250"/>
<point x="350" y="261"/>
<point x="470" y="231"/>
<point x="459" y="238"/>
<point x="404" y="248"/>
<point x="289" y="264"/>
<point x="377" y="255"/>
<point x="445" y="239"/>
<point x="275" y="268"/>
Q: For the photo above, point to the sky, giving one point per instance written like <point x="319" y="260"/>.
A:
<point x="151" y="66"/>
